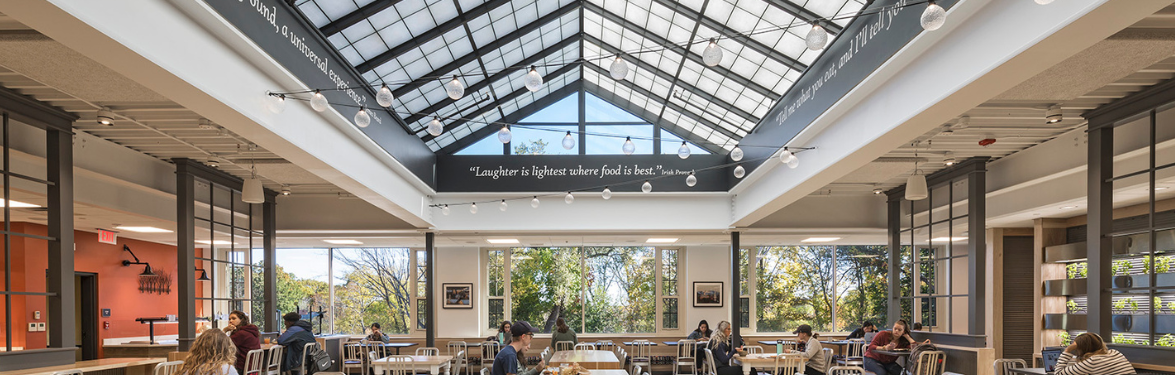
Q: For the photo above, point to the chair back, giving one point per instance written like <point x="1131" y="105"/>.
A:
<point x="828" y="356"/>
<point x="641" y="349"/>
<point x="564" y="345"/>
<point x="855" y="349"/>
<point x="1002" y="366"/>
<point x="846" y="370"/>
<point x="453" y="347"/>
<point x="585" y="346"/>
<point x="788" y="364"/>
<point x="636" y="370"/>
<point x="460" y="361"/>
<point x="485" y="371"/>
<point x="394" y="365"/>
<point x="606" y="345"/>
<point x="167" y="368"/>
<point x="753" y="349"/>
<point x="353" y="357"/>
<point x="686" y="349"/>
<point x="710" y="362"/>
<point x="274" y="367"/>
<point x="931" y="362"/>
<point x="254" y="362"/>
<point x="305" y="357"/>
<point x="428" y="351"/>
<point x="490" y="349"/>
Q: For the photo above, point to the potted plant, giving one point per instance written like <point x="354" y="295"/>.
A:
<point x="1072" y="307"/>
<point x="1065" y="337"/>
<point x="1121" y="267"/>
<point x="1164" y="264"/>
<point x="1076" y="270"/>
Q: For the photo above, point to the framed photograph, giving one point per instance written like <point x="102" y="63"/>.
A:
<point x="708" y="294"/>
<point x="458" y="296"/>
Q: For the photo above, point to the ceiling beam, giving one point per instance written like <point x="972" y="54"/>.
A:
<point x="735" y="35"/>
<point x="519" y="114"/>
<point x="803" y="13"/>
<point x="422" y="38"/>
<point x="673" y="47"/>
<point x="473" y="56"/>
<point x="432" y="109"/>
<point x="646" y="115"/>
<point x="508" y="97"/>
<point x="668" y="104"/>
<point x="357" y="16"/>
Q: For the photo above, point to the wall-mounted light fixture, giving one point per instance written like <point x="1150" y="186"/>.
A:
<point x="146" y="266"/>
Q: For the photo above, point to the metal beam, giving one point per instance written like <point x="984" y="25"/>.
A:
<point x="893" y="262"/>
<point x="1099" y="194"/>
<point x="977" y="267"/>
<point x="673" y="47"/>
<point x="804" y="14"/>
<point x="269" y="229"/>
<point x="736" y="317"/>
<point x="430" y="297"/>
<point x="500" y="75"/>
<point x="60" y="272"/>
<point x="435" y="32"/>
<point x="651" y="117"/>
<point x="34" y="112"/>
<point x="668" y="104"/>
<point x="735" y="35"/>
<point x="517" y="115"/>
<point x="357" y="16"/>
<point x="472" y="56"/>
<point x="185" y="253"/>
<point x="1136" y="104"/>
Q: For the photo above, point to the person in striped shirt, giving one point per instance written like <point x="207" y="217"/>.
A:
<point x="1090" y="356"/>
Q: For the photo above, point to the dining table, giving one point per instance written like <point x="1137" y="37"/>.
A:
<point x="395" y="345"/>
<point x="763" y="360"/>
<point x="435" y="364"/>
<point x="1027" y="371"/>
<point x="589" y="359"/>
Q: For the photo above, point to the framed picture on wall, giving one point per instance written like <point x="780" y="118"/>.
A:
<point x="458" y="296"/>
<point x="708" y="294"/>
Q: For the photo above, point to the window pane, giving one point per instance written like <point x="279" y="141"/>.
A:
<point x="302" y="282"/>
<point x="371" y="286"/>
<point x="422" y="313"/>
<point x="608" y="139"/>
<point x="537" y="139"/>
<point x="495" y="313"/>
<point x="422" y="273"/>
<point x="620" y="290"/>
<point x="670" y="313"/>
<point x="494" y="270"/>
<point x="743" y="272"/>
<point x="487" y="146"/>
<point x="744" y="312"/>
<point x="861" y="285"/>
<point x="793" y="287"/>
<point x="545" y="285"/>
<point x="670" y="272"/>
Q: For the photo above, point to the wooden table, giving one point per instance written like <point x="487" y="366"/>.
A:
<point x="590" y="359"/>
<point x="131" y="366"/>
<point x="1028" y="371"/>
<point x="138" y="350"/>
<point x="434" y="363"/>
<point x="396" y="345"/>
<point x="766" y="359"/>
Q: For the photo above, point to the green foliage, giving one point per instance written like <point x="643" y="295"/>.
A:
<point x="1147" y="263"/>
<point x="1076" y="270"/>
<point x="546" y="284"/>
<point x="1120" y="339"/>
<point x="1168" y="340"/>
<point x="1134" y="305"/>
<point x="1157" y="305"/>
<point x="1121" y="267"/>
<point x="1119" y="304"/>
<point x="620" y="288"/>
<point x="534" y="147"/>
<point x="1065" y="337"/>
<point x="1072" y="306"/>
<point x="861" y="285"/>
<point x="793" y="287"/>
<point x="1172" y="306"/>
<point x="1164" y="264"/>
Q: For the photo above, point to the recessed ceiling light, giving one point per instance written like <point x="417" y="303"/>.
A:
<point x="1158" y="188"/>
<point x="820" y="239"/>
<point x="217" y="242"/>
<point x="16" y="204"/>
<point x="502" y="241"/>
<point x="343" y="242"/>
<point x="142" y="229"/>
<point x="661" y="240"/>
<point x="945" y="239"/>
<point x="1066" y="207"/>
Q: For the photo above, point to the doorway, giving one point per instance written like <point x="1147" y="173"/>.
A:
<point x="86" y="314"/>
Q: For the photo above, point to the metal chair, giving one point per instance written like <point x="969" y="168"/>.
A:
<point x="1001" y="366"/>
<point x="274" y="366"/>
<point x="254" y="362"/>
<point x="828" y="356"/>
<point x="846" y="370"/>
<point x="686" y="349"/>
<point x="930" y="363"/>
<point x="636" y="370"/>
<point x="641" y="353"/>
<point x="564" y="345"/>
<point x="300" y="369"/>
<point x="710" y="363"/>
<point x="584" y="346"/>
<point x="393" y="365"/>
<point x="167" y="368"/>
<point x="452" y="349"/>
<point x="788" y="364"/>
<point x="753" y="349"/>
<point x="854" y="354"/>
<point x="489" y="350"/>
<point x="428" y="351"/>
<point x="459" y="362"/>
<point x="606" y="345"/>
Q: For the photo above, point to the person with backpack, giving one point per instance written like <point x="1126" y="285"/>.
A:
<point x="297" y="335"/>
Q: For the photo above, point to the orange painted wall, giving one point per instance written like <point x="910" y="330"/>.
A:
<point x="118" y="286"/>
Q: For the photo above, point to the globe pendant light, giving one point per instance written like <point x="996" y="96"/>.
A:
<point x="933" y="17"/>
<point x="318" y="102"/>
<point x="455" y="89"/>
<point x="736" y="154"/>
<point x="739" y="171"/>
<point x="646" y="187"/>
<point x="788" y="158"/>
<point x="435" y="128"/>
<point x="684" y="150"/>
<point x="276" y="103"/>
<point x="712" y="55"/>
<point x="816" y="38"/>
<point x="691" y="180"/>
<point x="569" y="142"/>
<point x="384" y="96"/>
<point x="618" y="69"/>
<point x="533" y="80"/>
<point x="473" y="208"/>
<point x="1043" y="2"/>
<point x="535" y="202"/>
<point x="628" y="147"/>
<point x="502" y="206"/>
<point x="504" y="134"/>
<point x="362" y="118"/>
<point x="569" y="198"/>
<point x="606" y="194"/>
<point x="445" y="210"/>
<point x="916" y="187"/>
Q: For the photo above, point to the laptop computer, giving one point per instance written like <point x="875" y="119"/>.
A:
<point x="1049" y="358"/>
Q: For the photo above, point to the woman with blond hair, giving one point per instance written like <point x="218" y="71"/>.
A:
<point x="722" y="347"/>
<point x="213" y="353"/>
<point x="1089" y="356"/>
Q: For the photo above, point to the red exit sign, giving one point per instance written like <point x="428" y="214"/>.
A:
<point x="105" y="236"/>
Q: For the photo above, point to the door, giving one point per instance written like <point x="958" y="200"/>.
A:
<point x="86" y="315"/>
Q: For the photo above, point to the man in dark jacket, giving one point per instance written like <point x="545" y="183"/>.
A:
<point x="297" y="335"/>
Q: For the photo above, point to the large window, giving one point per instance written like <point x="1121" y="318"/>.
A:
<point x="595" y="289"/>
<point x="229" y="275"/>
<point x="831" y="288"/>
<point x="934" y="258"/>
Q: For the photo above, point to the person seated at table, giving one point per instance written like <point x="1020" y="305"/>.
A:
<point x="702" y="333"/>
<point x="867" y="327"/>
<point x="1088" y="355"/>
<point x="244" y="335"/>
<point x="297" y="335"/>
<point x="507" y="360"/>
<point x="376" y="334"/>
<point x="522" y="356"/>
<point x="898" y="337"/>
<point x="813" y="353"/>
<point x="213" y="353"/>
<point x="917" y="326"/>
<point x="503" y="334"/>
<point x="562" y="333"/>
<point x="722" y="349"/>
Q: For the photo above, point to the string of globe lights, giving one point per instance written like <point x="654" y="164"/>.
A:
<point x="932" y="18"/>
<point x="786" y="156"/>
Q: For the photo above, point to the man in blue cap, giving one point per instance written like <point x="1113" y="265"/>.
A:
<point x="507" y="361"/>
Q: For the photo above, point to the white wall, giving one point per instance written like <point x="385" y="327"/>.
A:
<point x="459" y="265"/>
<point x="705" y="263"/>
